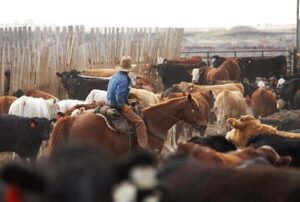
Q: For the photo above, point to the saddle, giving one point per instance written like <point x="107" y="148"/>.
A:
<point x="115" y="120"/>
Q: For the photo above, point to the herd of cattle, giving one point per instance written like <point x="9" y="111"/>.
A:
<point x="251" y="158"/>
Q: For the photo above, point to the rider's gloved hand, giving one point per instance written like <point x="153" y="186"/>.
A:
<point x="125" y="108"/>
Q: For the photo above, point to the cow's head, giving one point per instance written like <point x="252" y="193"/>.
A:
<point x="70" y="81"/>
<point x="246" y="127"/>
<point x="53" y="108"/>
<point x="41" y="127"/>
<point x="287" y="91"/>
<point x="65" y="76"/>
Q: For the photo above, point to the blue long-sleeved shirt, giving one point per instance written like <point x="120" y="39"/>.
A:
<point x="118" y="90"/>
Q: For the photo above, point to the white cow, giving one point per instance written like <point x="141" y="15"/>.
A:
<point x="34" y="107"/>
<point x="96" y="96"/>
<point x="65" y="105"/>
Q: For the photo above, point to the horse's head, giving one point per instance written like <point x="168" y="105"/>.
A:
<point x="194" y="115"/>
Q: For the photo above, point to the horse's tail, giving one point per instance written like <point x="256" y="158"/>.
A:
<point x="60" y="132"/>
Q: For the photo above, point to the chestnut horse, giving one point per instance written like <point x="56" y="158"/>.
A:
<point x="159" y="118"/>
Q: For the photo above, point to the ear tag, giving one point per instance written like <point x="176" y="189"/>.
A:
<point x="32" y="125"/>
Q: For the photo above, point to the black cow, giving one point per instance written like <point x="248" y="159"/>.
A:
<point x="217" y="60"/>
<point x="78" y="87"/>
<point x="216" y="142"/>
<point x="78" y="172"/>
<point x="282" y="125"/>
<point x="284" y="146"/>
<point x="288" y="91"/>
<point x="175" y="73"/>
<point x="264" y="67"/>
<point x="23" y="135"/>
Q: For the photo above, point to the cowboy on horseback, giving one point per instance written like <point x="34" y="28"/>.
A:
<point x="117" y="97"/>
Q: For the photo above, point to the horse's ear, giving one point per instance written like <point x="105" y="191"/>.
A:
<point x="189" y="97"/>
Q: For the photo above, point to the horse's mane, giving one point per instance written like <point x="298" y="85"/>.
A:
<point x="169" y="101"/>
<point x="60" y="132"/>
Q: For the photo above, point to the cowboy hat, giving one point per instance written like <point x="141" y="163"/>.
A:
<point x="125" y="64"/>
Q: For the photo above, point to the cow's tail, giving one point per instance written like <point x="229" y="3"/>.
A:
<point x="223" y="112"/>
<point x="59" y="133"/>
<point x="225" y="97"/>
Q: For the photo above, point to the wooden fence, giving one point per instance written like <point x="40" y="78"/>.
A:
<point x="34" y="55"/>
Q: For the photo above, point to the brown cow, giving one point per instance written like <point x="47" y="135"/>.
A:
<point x="248" y="126"/>
<point x="263" y="103"/>
<point x="212" y="157"/>
<point x="35" y="93"/>
<point x="233" y="68"/>
<point x="5" y="102"/>
<point x="191" y="181"/>
<point x="205" y="75"/>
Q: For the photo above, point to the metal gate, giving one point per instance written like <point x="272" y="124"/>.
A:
<point x="207" y="55"/>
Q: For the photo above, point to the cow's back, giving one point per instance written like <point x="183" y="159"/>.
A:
<point x="230" y="104"/>
<point x="263" y="103"/>
<point x="98" y="72"/>
<point x="29" y="107"/>
<point x="40" y="94"/>
<point x="233" y="69"/>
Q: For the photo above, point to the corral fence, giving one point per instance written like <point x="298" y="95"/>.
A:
<point x="291" y="55"/>
<point x="34" y="54"/>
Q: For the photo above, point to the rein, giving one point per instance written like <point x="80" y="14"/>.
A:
<point x="158" y="134"/>
<point x="172" y="117"/>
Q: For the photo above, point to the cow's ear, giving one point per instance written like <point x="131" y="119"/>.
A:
<point x="55" y="101"/>
<point x="58" y="74"/>
<point x="33" y="123"/>
<point x="210" y="94"/>
<point x="233" y="122"/>
<point x="189" y="97"/>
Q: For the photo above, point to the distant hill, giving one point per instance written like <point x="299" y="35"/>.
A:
<point x="240" y="38"/>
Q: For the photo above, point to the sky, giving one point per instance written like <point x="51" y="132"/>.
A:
<point x="149" y="13"/>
